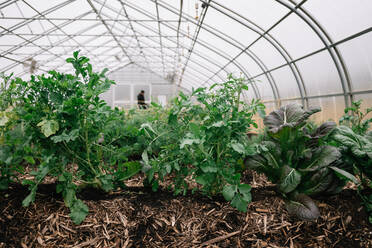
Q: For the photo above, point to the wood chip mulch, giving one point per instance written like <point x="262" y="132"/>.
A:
<point x="137" y="217"/>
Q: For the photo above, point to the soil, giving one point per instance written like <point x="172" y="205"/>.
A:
<point x="138" y="217"/>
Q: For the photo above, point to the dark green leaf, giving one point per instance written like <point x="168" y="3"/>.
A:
<point x="303" y="207"/>
<point x="345" y="174"/>
<point x="289" y="180"/>
<point x="291" y="115"/>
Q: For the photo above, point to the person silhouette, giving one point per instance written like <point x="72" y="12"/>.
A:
<point x="141" y="100"/>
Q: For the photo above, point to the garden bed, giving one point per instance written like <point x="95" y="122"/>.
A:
<point x="138" y="217"/>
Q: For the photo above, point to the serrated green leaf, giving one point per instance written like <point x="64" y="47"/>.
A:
<point x="244" y="188"/>
<point x="176" y="166"/>
<point x="48" y="127"/>
<point x="73" y="135"/>
<point x="168" y="168"/>
<point x="189" y="141"/>
<point x="208" y="168"/>
<point x="129" y="169"/>
<point x="3" y="119"/>
<point x="201" y="180"/>
<point x="69" y="196"/>
<point x="238" y="147"/>
<point x="106" y="182"/>
<point x="239" y="203"/>
<point x="78" y="211"/>
<point x="247" y="197"/>
<point x="229" y="192"/>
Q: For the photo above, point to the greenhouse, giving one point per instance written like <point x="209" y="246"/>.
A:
<point x="188" y="123"/>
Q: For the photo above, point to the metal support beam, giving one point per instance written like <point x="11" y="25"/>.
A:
<point x="269" y="38"/>
<point x="56" y="26"/>
<point x="160" y="36"/>
<point x="206" y="45"/>
<point x="194" y="38"/>
<point x="326" y="40"/>
<point x="105" y="24"/>
<point x="26" y="43"/>
<point x="133" y="30"/>
<point x="151" y="30"/>
<point x="81" y="19"/>
<point x="43" y="13"/>
<point x="335" y="44"/>
<point x="217" y="34"/>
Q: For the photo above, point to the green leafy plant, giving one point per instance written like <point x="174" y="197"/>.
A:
<point x="205" y="140"/>
<point x="356" y="152"/>
<point x="64" y="120"/>
<point x="356" y="119"/>
<point x="125" y="133"/>
<point x="15" y="148"/>
<point x="297" y="160"/>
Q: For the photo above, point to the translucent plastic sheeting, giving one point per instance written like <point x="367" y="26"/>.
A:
<point x="358" y="58"/>
<point x="265" y="88"/>
<point x="287" y="85"/>
<point x="296" y="36"/>
<point x="264" y="13"/>
<point x="122" y="93"/>
<point x="367" y="100"/>
<point x="320" y="74"/>
<point x="341" y="18"/>
<point x="332" y="108"/>
<point x="238" y="34"/>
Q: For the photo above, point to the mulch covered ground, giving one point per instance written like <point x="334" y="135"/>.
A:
<point x="137" y="217"/>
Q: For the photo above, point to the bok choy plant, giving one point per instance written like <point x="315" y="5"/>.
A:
<point x="297" y="160"/>
<point x="356" y="152"/>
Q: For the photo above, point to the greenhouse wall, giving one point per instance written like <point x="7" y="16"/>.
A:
<point x="130" y="81"/>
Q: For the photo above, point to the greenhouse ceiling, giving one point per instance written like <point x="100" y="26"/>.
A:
<point x="290" y="50"/>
